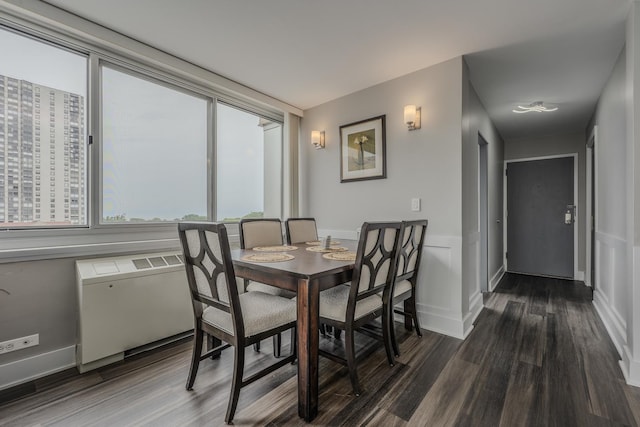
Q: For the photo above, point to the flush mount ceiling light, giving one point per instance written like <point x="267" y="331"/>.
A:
<point x="537" y="107"/>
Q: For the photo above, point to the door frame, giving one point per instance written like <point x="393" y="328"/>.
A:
<point x="483" y="213"/>
<point x="575" y="203"/>
<point x="591" y="207"/>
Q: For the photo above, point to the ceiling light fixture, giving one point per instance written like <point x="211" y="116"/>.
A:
<point x="537" y="106"/>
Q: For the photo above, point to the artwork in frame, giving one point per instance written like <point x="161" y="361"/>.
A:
<point x="363" y="150"/>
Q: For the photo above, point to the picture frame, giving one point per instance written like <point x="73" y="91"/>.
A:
<point x="363" y="150"/>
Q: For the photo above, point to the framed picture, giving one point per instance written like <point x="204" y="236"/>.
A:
<point x="363" y="150"/>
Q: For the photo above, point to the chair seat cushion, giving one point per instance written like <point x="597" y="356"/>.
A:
<point x="401" y="287"/>
<point x="268" y="289"/>
<point x="261" y="312"/>
<point x="333" y="303"/>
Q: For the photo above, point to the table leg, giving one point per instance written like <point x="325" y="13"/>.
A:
<point x="308" y="312"/>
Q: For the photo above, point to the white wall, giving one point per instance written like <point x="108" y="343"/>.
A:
<point x="424" y="163"/>
<point x="525" y="148"/>
<point x="617" y="262"/>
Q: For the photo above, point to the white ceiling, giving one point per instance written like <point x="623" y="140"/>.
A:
<point x="306" y="52"/>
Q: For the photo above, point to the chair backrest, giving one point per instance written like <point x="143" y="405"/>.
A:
<point x="210" y="273"/>
<point x="301" y="230"/>
<point x="375" y="261"/>
<point x="260" y="232"/>
<point x="410" y="249"/>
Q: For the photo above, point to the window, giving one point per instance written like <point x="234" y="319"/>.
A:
<point x="166" y="147"/>
<point x="29" y="67"/>
<point x="248" y="165"/>
<point x="154" y="151"/>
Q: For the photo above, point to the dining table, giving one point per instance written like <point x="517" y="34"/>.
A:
<point x="307" y="274"/>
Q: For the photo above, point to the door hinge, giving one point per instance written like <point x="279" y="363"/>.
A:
<point x="506" y="255"/>
<point x="90" y="140"/>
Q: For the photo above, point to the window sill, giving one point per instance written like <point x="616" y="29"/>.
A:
<point x="31" y="245"/>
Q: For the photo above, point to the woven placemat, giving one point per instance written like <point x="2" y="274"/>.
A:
<point x="340" y="256"/>
<point x="268" y="257"/>
<point x="281" y="248"/>
<point x="318" y="243"/>
<point x="323" y="249"/>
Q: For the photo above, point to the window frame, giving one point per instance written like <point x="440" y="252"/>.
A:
<point x="94" y="238"/>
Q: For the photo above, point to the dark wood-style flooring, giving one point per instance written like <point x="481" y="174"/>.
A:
<point x="538" y="356"/>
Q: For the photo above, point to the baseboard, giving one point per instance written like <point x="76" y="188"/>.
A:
<point x="21" y="371"/>
<point x="579" y="276"/>
<point x="617" y="331"/>
<point x="437" y="320"/>
<point x="475" y="307"/>
<point x="496" y="278"/>
<point x="630" y="368"/>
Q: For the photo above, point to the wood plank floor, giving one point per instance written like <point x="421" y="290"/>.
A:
<point x="538" y="356"/>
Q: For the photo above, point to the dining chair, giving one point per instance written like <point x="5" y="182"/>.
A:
<point x="256" y="232"/>
<point x="220" y="311"/>
<point x="300" y="230"/>
<point x="406" y="279"/>
<point x="350" y="306"/>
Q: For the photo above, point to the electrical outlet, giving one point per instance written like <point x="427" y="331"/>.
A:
<point x="19" y="343"/>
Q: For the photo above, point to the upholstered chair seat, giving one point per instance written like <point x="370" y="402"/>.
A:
<point x="261" y="312"/>
<point x="333" y="304"/>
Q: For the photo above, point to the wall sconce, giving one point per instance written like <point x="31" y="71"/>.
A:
<point x="317" y="139"/>
<point x="412" y="116"/>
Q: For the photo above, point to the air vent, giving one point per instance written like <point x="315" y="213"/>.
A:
<point x="172" y="260"/>
<point x="141" y="263"/>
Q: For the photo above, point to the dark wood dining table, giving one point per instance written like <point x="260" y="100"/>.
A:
<point x="307" y="274"/>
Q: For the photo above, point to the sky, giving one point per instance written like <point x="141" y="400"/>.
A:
<point x="154" y="138"/>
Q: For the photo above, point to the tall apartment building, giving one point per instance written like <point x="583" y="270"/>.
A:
<point x="42" y="155"/>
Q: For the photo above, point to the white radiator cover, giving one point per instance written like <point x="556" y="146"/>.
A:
<point x="129" y="301"/>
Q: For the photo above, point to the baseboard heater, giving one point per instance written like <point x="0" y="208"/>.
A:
<point x="127" y="302"/>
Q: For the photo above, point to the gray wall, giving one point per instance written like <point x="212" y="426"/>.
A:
<point x="42" y="301"/>
<point x="552" y="146"/>
<point x="475" y="121"/>
<point x="425" y="163"/>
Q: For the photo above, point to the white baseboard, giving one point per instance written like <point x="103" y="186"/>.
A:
<point x="475" y="307"/>
<point x="579" y="276"/>
<point x="617" y="330"/>
<point x="437" y="320"/>
<point x="21" y="371"/>
<point x="496" y="278"/>
<point x="630" y="368"/>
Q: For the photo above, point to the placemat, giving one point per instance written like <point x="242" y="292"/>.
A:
<point x="323" y="249"/>
<point x="318" y="242"/>
<point x="280" y="248"/>
<point x="340" y="256"/>
<point x="268" y="257"/>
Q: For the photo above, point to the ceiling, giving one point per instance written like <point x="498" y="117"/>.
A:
<point x="307" y="52"/>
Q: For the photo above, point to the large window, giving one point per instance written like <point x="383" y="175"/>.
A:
<point x="166" y="148"/>
<point x="249" y="165"/>
<point x="154" y="151"/>
<point x="43" y="91"/>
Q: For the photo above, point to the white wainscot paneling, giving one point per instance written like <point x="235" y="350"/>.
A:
<point x="472" y="280"/>
<point x="439" y="292"/>
<point x="611" y="281"/>
<point x="630" y="362"/>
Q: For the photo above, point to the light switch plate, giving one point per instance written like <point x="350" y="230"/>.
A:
<point x="415" y="204"/>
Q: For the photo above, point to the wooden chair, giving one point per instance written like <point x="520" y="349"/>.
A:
<point x="238" y="320"/>
<point x="300" y="230"/>
<point x="256" y="232"/>
<point x="404" y="287"/>
<point x="350" y="306"/>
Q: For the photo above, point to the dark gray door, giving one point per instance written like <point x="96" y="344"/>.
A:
<point x="540" y="215"/>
